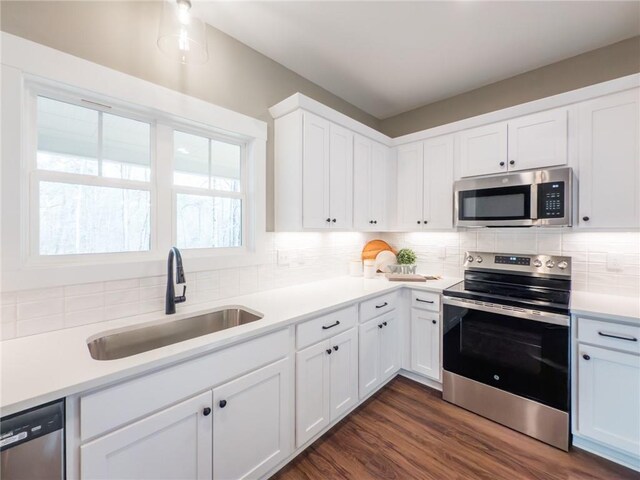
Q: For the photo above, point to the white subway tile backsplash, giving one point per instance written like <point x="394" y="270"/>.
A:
<point x="8" y="313"/>
<point x="128" y="284"/>
<point x="8" y="298"/>
<point x="39" y="325"/>
<point x="8" y="330"/>
<point x="42" y="308"/>
<point x="152" y="281"/>
<point x="121" y="310"/>
<point x="83" y="289"/>
<point x="147" y="293"/>
<point x="40" y="294"/>
<point x="84" y="317"/>
<point x="83" y="302"/>
<point x="118" y="297"/>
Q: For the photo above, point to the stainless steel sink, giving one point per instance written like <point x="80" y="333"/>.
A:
<point x="144" y="338"/>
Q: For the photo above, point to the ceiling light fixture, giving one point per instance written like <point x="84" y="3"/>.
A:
<point x="181" y="35"/>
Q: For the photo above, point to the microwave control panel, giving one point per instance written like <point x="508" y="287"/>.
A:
<point x="551" y="200"/>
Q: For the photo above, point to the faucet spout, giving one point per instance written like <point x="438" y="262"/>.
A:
<point x="171" y="298"/>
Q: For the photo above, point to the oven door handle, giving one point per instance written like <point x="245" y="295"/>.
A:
<point x="527" y="314"/>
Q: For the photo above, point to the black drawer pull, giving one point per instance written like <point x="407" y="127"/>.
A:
<point x="382" y="306"/>
<point x="619" y="337"/>
<point x="327" y="327"/>
<point x="379" y="325"/>
<point x="424" y="301"/>
<point x="328" y="351"/>
<point x="336" y="347"/>
<point x="206" y="411"/>
<point x="223" y="403"/>
<point x="586" y="357"/>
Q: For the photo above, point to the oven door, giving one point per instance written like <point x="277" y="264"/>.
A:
<point x="508" y="350"/>
<point x="512" y="205"/>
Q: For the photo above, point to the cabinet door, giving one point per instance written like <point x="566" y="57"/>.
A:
<point x="609" y="152"/>
<point x="438" y="182"/>
<point x="425" y="343"/>
<point x="483" y="150"/>
<point x="369" y="357"/>
<point x="362" y="174"/>
<point x="313" y="378"/>
<point x="389" y="345"/>
<point x="410" y="186"/>
<point x="174" y="443"/>
<point x="251" y="423"/>
<point x="344" y="372"/>
<point x="378" y="182"/>
<point x="315" y="172"/>
<point x="340" y="177"/>
<point x="608" y="397"/>
<point x="538" y="141"/>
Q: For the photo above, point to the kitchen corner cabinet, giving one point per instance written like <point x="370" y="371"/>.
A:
<point x="173" y="443"/>
<point x="314" y="174"/>
<point x="425" y="180"/>
<point x="609" y="153"/>
<point x="533" y="141"/>
<point x="370" y="177"/>
<point x="379" y="352"/>
<point x="326" y="383"/>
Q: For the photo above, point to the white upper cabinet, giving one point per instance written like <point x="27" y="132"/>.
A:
<point x="315" y="172"/>
<point x="483" y="150"/>
<point x="538" y="141"/>
<point x="370" y="161"/>
<point x="340" y="177"/>
<point x="609" y="156"/>
<point x="425" y="184"/>
<point x="533" y="141"/>
<point x="438" y="183"/>
<point x="410" y="186"/>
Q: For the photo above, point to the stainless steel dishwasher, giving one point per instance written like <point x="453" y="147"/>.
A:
<point x="32" y="443"/>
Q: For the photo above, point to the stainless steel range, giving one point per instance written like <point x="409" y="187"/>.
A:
<point x="506" y="342"/>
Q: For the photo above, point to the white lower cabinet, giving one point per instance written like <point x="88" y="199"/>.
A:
<point x="175" y="443"/>
<point x="425" y="343"/>
<point x="251" y="432"/>
<point x="609" y="397"/>
<point x="379" y="351"/>
<point x="326" y="383"/>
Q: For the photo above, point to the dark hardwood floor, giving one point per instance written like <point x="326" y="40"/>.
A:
<point x="407" y="431"/>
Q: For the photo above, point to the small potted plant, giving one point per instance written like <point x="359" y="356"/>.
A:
<point x="407" y="261"/>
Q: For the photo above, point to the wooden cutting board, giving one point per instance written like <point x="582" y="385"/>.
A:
<point x="405" y="277"/>
<point x="373" y="248"/>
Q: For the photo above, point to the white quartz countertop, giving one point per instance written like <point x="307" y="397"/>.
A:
<point x="40" y="368"/>
<point x="614" y="307"/>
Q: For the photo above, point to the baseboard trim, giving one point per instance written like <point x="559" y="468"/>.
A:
<point x="420" y="379"/>
<point x="621" y="458"/>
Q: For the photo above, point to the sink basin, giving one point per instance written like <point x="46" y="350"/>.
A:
<point x="140" y="339"/>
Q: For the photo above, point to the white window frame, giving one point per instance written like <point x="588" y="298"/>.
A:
<point x="33" y="90"/>
<point x="26" y="64"/>
<point x="209" y="192"/>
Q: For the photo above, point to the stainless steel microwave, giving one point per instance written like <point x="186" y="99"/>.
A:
<point x="534" y="198"/>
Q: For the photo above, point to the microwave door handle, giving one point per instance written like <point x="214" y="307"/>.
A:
<point x="534" y="201"/>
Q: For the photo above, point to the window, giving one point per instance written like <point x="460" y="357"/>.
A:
<point x="209" y="192"/>
<point x="92" y="178"/>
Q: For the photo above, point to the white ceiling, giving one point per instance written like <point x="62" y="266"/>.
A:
<point x="389" y="57"/>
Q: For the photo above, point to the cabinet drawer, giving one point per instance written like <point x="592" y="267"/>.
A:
<point x="609" y="334"/>
<point x="377" y="306"/>
<point x="326" y="326"/>
<point x="130" y="400"/>
<point x="425" y="300"/>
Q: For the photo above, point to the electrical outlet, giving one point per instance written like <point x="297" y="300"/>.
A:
<point x="284" y="259"/>
<point x="614" y="262"/>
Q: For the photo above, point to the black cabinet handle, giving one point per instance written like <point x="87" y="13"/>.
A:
<point x="512" y="162"/>
<point x="418" y="222"/>
<point x="586" y="357"/>
<point x="434" y="322"/>
<point x="223" y="403"/>
<point x="328" y="351"/>
<point x="371" y="222"/>
<point x="424" y="301"/>
<point x="327" y="327"/>
<point x="384" y="323"/>
<point x="334" y="220"/>
<point x="502" y="164"/>
<point x="336" y="347"/>
<point x="379" y="325"/>
<point x="206" y="411"/>
<point x="619" y="337"/>
<point x="382" y="306"/>
<point x="425" y="222"/>
<point x="375" y="221"/>
<point x="328" y="220"/>
<point x="586" y="219"/>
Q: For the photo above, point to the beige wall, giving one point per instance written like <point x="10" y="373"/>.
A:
<point x="613" y="61"/>
<point x="122" y="36"/>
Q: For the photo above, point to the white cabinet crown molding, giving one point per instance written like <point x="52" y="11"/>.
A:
<point x="300" y="101"/>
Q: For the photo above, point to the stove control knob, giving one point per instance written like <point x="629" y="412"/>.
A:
<point x="537" y="263"/>
<point x="562" y="265"/>
<point x="479" y="259"/>
<point x="550" y="264"/>
<point x="469" y="259"/>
